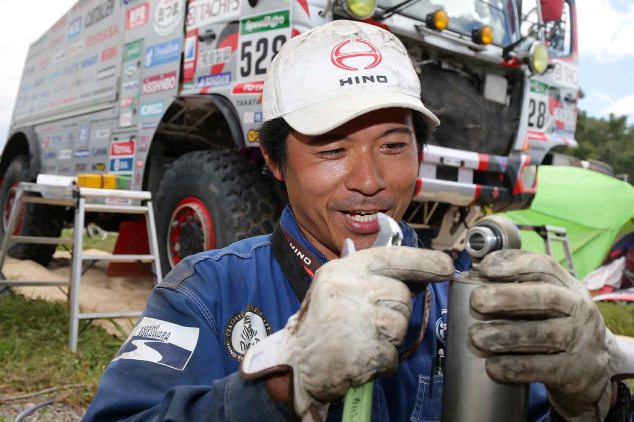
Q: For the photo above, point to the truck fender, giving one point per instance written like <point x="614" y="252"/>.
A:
<point x="229" y="112"/>
<point x="21" y="142"/>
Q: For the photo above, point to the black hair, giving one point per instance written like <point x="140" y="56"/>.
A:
<point x="272" y="137"/>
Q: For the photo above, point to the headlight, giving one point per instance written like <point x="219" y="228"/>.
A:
<point x="538" y="58"/>
<point x="359" y="9"/>
<point x="438" y="20"/>
<point x="483" y="35"/>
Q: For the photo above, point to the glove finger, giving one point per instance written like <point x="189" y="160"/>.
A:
<point x="388" y="292"/>
<point x="391" y="324"/>
<point x="548" y="336"/>
<point x="517" y="265"/>
<point x="522" y="300"/>
<point x="548" y="369"/>
<point x="405" y="263"/>
<point x="383" y="360"/>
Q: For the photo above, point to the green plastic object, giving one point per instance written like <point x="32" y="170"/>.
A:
<point x="357" y="406"/>
<point x="595" y="209"/>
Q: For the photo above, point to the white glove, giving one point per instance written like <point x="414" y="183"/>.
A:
<point x="547" y="330"/>
<point x="349" y="326"/>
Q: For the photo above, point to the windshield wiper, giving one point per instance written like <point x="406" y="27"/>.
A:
<point x="395" y="9"/>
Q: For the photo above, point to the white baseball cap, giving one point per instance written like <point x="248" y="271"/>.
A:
<point x="333" y="73"/>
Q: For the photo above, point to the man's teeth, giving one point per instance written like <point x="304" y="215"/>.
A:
<point x="362" y="218"/>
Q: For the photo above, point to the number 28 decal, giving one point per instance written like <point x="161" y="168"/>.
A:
<point x="256" y="56"/>
<point x="537" y="113"/>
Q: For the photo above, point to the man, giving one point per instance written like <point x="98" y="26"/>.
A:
<point x="340" y="134"/>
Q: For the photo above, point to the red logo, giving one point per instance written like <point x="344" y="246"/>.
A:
<point x="337" y="57"/>
<point x="119" y="148"/>
<point x="248" y="88"/>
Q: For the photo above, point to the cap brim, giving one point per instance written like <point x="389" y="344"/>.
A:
<point x="320" y="118"/>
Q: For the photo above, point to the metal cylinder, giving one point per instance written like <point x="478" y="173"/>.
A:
<point x="469" y="394"/>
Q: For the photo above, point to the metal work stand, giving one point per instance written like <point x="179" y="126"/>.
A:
<point x="550" y="234"/>
<point x="83" y="200"/>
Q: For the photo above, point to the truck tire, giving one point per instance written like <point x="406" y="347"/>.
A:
<point x="36" y="219"/>
<point x="209" y="199"/>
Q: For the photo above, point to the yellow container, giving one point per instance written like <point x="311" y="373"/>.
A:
<point x="109" y="181"/>
<point x="89" y="180"/>
<point x="103" y="181"/>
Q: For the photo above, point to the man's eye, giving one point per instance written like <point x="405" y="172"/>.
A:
<point x="394" y="146"/>
<point x="332" y="152"/>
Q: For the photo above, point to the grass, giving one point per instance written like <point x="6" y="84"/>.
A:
<point x="618" y="317"/>
<point x="92" y="242"/>
<point x="34" y="353"/>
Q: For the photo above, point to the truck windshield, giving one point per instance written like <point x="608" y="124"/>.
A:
<point x="466" y="15"/>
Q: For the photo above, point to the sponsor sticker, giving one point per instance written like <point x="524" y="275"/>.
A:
<point x="105" y="73"/>
<point x="258" y="117"/>
<point x="245" y="329"/>
<point x="248" y="88"/>
<point x="126" y="102"/>
<point x="161" y="342"/>
<point x="118" y="148"/>
<point x="130" y="70"/>
<point x="137" y="16"/>
<point x="74" y="28"/>
<point x="130" y="88"/>
<point x="121" y="165"/>
<point x="166" y="16"/>
<point x="147" y="125"/>
<point x="252" y="136"/>
<point x="82" y="153"/>
<point x="190" y="55"/>
<point x="103" y="35"/>
<point x="108" y="53"/>
<point x="159" y="83"/>
<point x="266" y="22"/>
<point x="125" y="118"/>
<point x="152" y="109"/>
<point x="99" y="12"/>
<point x="75" y="48"/>
<point x="65" y="154"/>
<point x="205" y="12"/>
<point x="217" y="56"/>
<point x="132" y="51"/>
<point x="81" y="166"/>
<point x="248" y="117"/>
<point x="212" y="81"/>
<point x="100" y="133"/>
<point x="99" y="151"/>
<point x="98" y="166"/>
<point x="89" y="61"/>
<point x="144" y="143"/>
<point x="166" y="52"/>
<point x="50" y="155"/>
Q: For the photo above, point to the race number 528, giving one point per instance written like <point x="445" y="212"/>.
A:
<point x="261" y="37"/>
<point x="255" y="56"/>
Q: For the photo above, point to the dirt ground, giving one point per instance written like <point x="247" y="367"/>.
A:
<point x="98" y="292"/>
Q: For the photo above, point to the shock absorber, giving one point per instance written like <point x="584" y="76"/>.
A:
<point x="469" y="393"/>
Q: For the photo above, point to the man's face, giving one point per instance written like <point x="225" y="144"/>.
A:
<point x="336" y="182"/>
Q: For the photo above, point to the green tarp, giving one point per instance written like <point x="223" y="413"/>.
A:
<point x="594" y="208"/>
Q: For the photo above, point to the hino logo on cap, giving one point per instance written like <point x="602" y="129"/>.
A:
<point x="382" y="79"/>
<point x="354" y="51"/>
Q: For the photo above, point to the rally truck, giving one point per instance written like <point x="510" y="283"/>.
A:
<point x="167" y="95"/>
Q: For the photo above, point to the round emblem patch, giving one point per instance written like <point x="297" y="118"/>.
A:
<point x="245" y="329"/>
<point x="441" y="327"/>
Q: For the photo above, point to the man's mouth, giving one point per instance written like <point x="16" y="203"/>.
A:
<point x="362" y="216"/>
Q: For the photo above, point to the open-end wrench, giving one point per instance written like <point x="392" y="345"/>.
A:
<point x="358" y="402"/>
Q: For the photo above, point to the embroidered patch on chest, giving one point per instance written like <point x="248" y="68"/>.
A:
<point x="441" y="327"/>
<point x="245" y="329"/>
<point x="162" y="342"/>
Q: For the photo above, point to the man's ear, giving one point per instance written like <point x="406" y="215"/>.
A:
<point x="274" y="167"/>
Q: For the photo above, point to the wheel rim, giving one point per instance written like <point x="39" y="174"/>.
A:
<point x="190" y="231"/>
<point x="8" y="206"/>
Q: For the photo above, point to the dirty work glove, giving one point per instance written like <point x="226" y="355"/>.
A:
<point x="349" y="326"/>
<point x="548" y="330"/>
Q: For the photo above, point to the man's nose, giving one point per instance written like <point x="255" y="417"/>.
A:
<point x="365" y="175"/>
